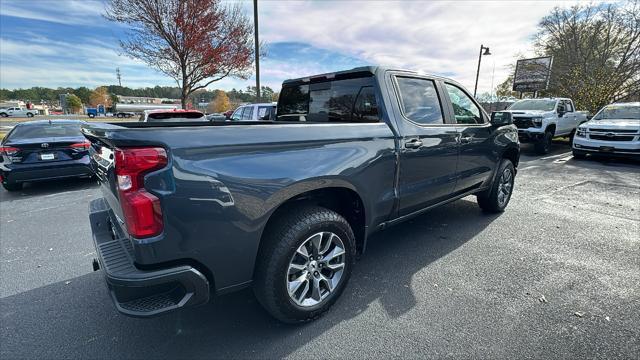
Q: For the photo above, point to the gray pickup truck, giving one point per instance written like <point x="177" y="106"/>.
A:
<point x="195" y="210"/>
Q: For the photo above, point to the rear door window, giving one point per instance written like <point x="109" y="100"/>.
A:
<point x="419" y="101"/>
<point x="247" y="113"/>
<point x="265" y="112"/>
<point x="345" y="100"/>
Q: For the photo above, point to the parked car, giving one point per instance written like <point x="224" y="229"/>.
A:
<point x="18" y="112"/>
<point x="162" y="115"/>
<point x="216" y="117"/>
<point x="194" y="211"/>
<point x="43" y="150"/>
<point x="540" y="120"/>
<point x="255" y="112"/>
<point x="613" y="131"/>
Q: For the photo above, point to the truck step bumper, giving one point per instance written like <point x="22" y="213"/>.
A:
<point x="136" y="292"/>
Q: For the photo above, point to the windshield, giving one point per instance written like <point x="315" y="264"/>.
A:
<point x="534" y="104"/>
<point x="618" y="112"/>
<point x="45" y="131"/>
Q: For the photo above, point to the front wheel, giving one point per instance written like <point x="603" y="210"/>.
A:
<point x="29" y="115"/>
<point x="543" y="145"/>
<point x="578" y="155"/>
<point x="495" y="199"/>
<point x="3" y="114"/>
<point x="304" y="264"/>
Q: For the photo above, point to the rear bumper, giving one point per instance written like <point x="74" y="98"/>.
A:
<point x="17" y="173"/>
<point x="135" y="292"/>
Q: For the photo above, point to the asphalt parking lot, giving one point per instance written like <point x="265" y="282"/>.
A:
<point x="555" y="276"/>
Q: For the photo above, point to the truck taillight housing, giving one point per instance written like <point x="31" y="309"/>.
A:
<point x="141" y="209"/>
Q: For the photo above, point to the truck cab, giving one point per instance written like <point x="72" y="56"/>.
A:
<point x="540" y="120"/>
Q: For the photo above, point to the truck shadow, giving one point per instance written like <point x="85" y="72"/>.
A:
<point x="77" y="320"/>
<point x="47" y="188"/>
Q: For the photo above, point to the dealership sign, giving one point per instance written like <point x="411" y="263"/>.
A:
<point x="532" y="74"/>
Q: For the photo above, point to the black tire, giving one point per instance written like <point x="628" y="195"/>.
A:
<point x="29" y="115"/>
<point x="3" y="114"/>
<point x="290" y="230"/>
<point x="120" y="115"/>
<point x="12" y="186"/>
<point x="571" y="136"/>
<point x="91" y="116"/>
<point x="579" y="155"/>
<point x="490" y="200"/>
<point x="543" y="145"/>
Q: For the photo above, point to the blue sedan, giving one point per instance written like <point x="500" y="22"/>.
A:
<point x="43" y="150"/>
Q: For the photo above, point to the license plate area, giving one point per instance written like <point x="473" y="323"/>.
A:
<point x="47" y="157"/>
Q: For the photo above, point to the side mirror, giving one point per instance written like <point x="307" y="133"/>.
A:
<point x="501" y="118"/>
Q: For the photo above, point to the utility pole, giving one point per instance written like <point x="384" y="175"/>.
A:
<point x="255" y="31"/>
<point x="118" y="76"/>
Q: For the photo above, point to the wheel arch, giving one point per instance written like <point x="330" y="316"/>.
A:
<point x="339" y="196"/>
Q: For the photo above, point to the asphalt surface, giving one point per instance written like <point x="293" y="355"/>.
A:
<point x="555" y="276"/>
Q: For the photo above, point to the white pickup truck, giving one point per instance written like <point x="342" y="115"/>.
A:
<point x="540" y="120"/>
<point x="18" y="112"/>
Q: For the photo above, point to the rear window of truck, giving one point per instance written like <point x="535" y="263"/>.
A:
<point x="348" y="100"/>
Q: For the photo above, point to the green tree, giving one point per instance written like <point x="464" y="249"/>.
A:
<point x="505" y="89"/>
<point x="74" y="104"/>
<point x="596" y="52"/>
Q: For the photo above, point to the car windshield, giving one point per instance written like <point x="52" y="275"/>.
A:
<point x="534" y="104"/>
<point x="45" y="131"/>
<point x="618" y="112"/>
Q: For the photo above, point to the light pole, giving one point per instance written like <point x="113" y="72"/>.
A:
<point x="255" y="30"/>
<point x="486" y="52"/>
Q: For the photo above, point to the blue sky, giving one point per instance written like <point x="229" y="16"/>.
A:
<point x="68" y="43"/>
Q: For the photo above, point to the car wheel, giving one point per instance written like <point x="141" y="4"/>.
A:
<point x="12" y="186"/>
<point x="543" y="145"/>
<point x="497" y="198"/>
<point x="571" y="136"/>
<point x="3" y="114"/>
<point x="304" y="264"/>
<point x="579" y="155"/>
<point x="91" y="116"/>
<point x="29" y="115"/>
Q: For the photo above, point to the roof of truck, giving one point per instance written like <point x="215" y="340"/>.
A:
<point x="361" y="70"/>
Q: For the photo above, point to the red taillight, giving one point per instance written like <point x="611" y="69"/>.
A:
<point x="8" y="150"/>
<point x="141" y="210"/>
<point x="81" y="146"/>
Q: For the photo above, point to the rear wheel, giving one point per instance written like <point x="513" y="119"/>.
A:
<point x="29" y="114"/>
<point x="495" y="199"/>
<point x="3" y="114"/>
<point x="543" y="145"/>
<point x="12" y="186"/>
<point x="304" y="264"/>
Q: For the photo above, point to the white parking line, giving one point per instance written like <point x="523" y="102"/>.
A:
<point x="555" y="156"/>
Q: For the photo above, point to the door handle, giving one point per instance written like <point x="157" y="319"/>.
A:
<point x="465" y="140"/>
<point x="413" y="144"/>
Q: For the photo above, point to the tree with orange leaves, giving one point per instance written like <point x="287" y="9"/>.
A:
<point x="195" y="42"/>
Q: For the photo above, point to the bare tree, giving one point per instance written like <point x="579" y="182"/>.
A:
<point x="195" y="42"/>
<point x="596" y="50"/>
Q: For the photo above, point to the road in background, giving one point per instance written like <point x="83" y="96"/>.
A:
<point x="555" y="276"/>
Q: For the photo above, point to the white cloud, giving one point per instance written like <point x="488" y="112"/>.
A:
<point x="434" y="37"/>
<point x="69" y="12"/>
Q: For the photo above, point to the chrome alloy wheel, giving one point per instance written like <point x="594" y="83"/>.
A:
<point x="505" y="186"/>
<point x="316" y="268"/>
